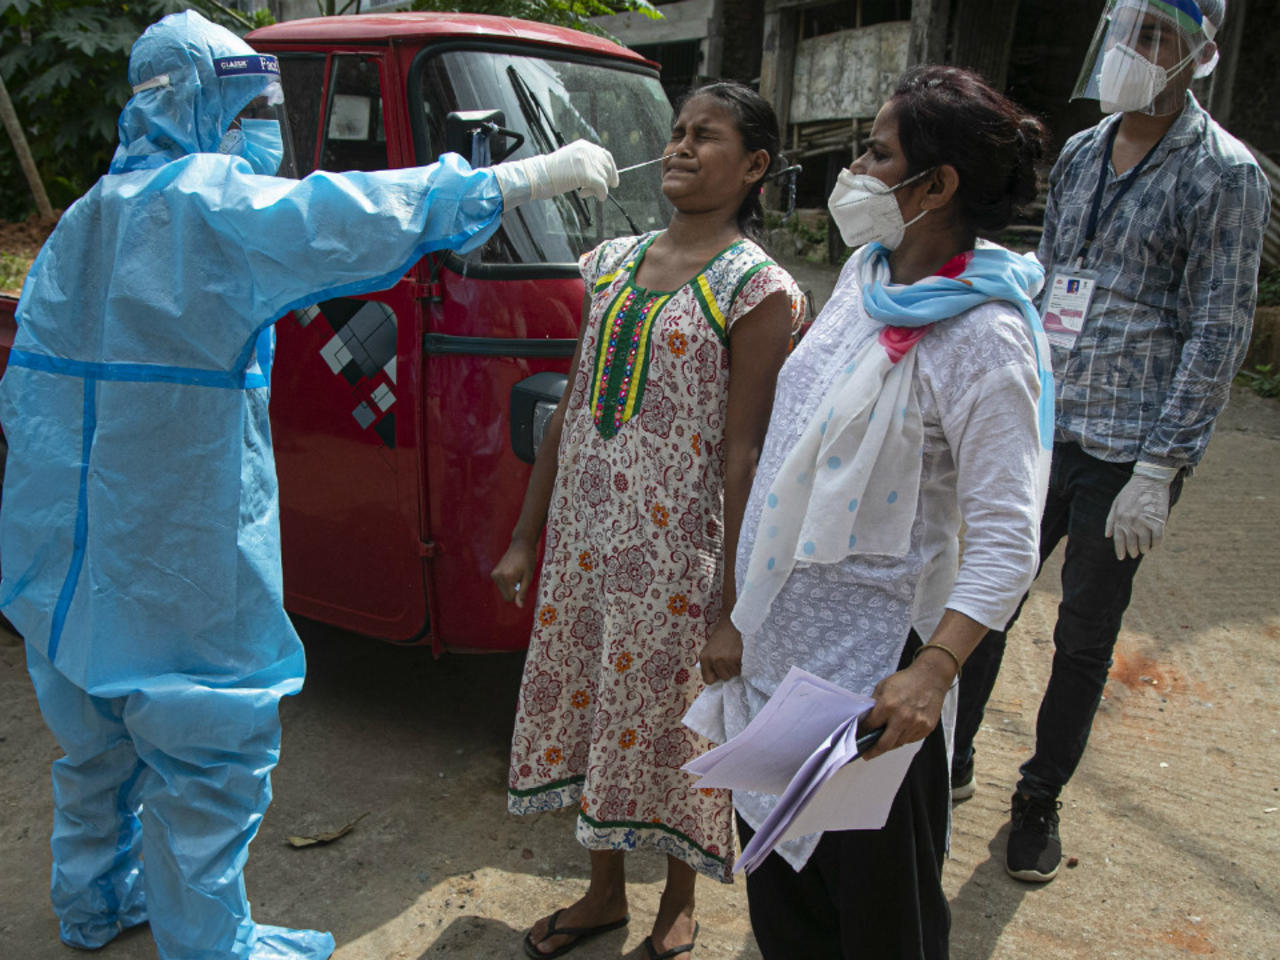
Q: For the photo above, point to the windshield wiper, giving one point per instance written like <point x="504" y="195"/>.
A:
<point x="543" y="129"/>
<point x="635" y="229"/>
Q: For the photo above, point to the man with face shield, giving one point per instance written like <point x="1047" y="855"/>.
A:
<point x="1144" y="53"/>
<point x="1152" y="241"/>
<point x="139" y="529"/>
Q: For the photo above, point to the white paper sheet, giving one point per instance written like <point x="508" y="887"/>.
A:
<point x="857" y="797"/>
<point x="802" y="746"/>
<point x="837" y="749"/>
<point x="800" y="715"/>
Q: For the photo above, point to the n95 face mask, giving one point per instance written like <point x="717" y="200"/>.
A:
<point x="258" y="141"/>
<point x="865" y="210"/>
<point x="1129" y="81"/>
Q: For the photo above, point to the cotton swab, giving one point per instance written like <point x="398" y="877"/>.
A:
<point x="645" y="163"/>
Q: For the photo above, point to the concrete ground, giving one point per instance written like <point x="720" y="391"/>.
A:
<point x="1172" y="822"/>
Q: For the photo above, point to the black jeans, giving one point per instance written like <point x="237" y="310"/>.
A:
<point x="1096" y="588"/>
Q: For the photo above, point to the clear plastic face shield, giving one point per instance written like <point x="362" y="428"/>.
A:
<point x="1145" y="54"/>
<point x="260" y="131"/>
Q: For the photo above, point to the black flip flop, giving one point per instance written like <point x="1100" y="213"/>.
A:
<point x="652" y="952"/>
<point x="580" y="934"/>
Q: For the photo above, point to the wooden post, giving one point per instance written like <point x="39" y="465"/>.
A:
<point x="11" y="124"/>
<point x="778" y="60"/>
<point x="713" y="64"/>
<point x="777" y="72"/>
<point x="930" y="31"/>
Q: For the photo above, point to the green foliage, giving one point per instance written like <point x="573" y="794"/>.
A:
<point x="1264" y="380"/>
<point x="13" y="270"/>
<point x="65" y="64"/>
<point x="1269" y="287"/>
<point x="808" y="235"/>
<point x="561" y="13"/>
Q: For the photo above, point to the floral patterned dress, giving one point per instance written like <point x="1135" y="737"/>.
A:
<point x="631" y="574"/>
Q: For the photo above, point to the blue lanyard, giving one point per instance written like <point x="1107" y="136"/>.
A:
<point x="1095" y="217"/>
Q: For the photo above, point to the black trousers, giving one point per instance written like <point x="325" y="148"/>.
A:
<point x="1096" y="588"/>
<point x="865" y="894"/>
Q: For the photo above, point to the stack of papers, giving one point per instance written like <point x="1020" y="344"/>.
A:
<point x="798" y="747"/>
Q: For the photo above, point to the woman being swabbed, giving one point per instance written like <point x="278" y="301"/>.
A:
<point x="919" y="399"/>
<point x="640" y="484"/>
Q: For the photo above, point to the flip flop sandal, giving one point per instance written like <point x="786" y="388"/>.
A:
<point x="652" y="952"/>
<point x="580" y="934"/>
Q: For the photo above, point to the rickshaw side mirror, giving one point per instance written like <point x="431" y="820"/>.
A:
<point x="479" y="135"/>
<point x="533" y="401"/>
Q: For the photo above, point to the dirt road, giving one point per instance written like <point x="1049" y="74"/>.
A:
<point x="1172" y="817"/>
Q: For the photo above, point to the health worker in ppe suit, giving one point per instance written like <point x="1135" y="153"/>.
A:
<point x="1152" y="239"/>
<point x="140" y="529"/>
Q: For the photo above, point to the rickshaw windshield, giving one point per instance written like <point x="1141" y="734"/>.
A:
<point x="548" y="103"/>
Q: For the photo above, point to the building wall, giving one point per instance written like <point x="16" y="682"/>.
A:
<point x="849" y="73"/>
<point x="294" y="9"/>
<point x="684" y="20"/>
<point x="687" y="41"/>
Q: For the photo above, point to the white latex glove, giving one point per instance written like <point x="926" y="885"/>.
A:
<point x="1138" y="513"/>
<point x="580" y="166"/>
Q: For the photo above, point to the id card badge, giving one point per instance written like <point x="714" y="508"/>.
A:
<point x="1066" y="304"/>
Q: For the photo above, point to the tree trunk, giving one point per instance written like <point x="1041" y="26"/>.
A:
<point x="10" y="118"/>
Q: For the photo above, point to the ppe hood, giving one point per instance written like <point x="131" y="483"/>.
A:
<point x="190" y="78"/>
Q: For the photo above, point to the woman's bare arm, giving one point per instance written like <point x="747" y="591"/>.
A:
<point x="757" y="347"/>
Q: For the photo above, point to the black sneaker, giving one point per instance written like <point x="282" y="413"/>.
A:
<point x="963" y="785"/>
<point x="1034" y="850"/>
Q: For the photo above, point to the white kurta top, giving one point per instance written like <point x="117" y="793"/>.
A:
<point x="977" y="387"/>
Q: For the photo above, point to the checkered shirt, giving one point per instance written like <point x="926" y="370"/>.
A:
<point x="1177" y="262"/>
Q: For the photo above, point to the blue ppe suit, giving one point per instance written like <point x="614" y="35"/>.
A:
<point x="139" y="529"/>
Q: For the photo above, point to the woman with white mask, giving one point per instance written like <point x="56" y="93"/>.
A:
<point x="920" y="398"/>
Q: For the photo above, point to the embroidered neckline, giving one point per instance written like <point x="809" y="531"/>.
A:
<point x="633" y="265"/>
<point x="622" y="357"/>
<point x="622" y="364"/>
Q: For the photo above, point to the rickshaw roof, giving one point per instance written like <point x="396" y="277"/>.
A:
<point x="376" y="28"/>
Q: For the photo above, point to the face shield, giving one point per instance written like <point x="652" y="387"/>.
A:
<point x="259" y="131"/>
<point x="1144" y="55"/>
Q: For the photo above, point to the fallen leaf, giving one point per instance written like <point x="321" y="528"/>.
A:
<point x="322" y="838"/>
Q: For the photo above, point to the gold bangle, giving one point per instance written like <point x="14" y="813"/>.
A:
<point x="939" y="646"/>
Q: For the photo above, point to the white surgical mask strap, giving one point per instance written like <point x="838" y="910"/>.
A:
<point x="916" y="176"/>
<point x="1179" y="66"/>
<point x="908" y="180"/>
